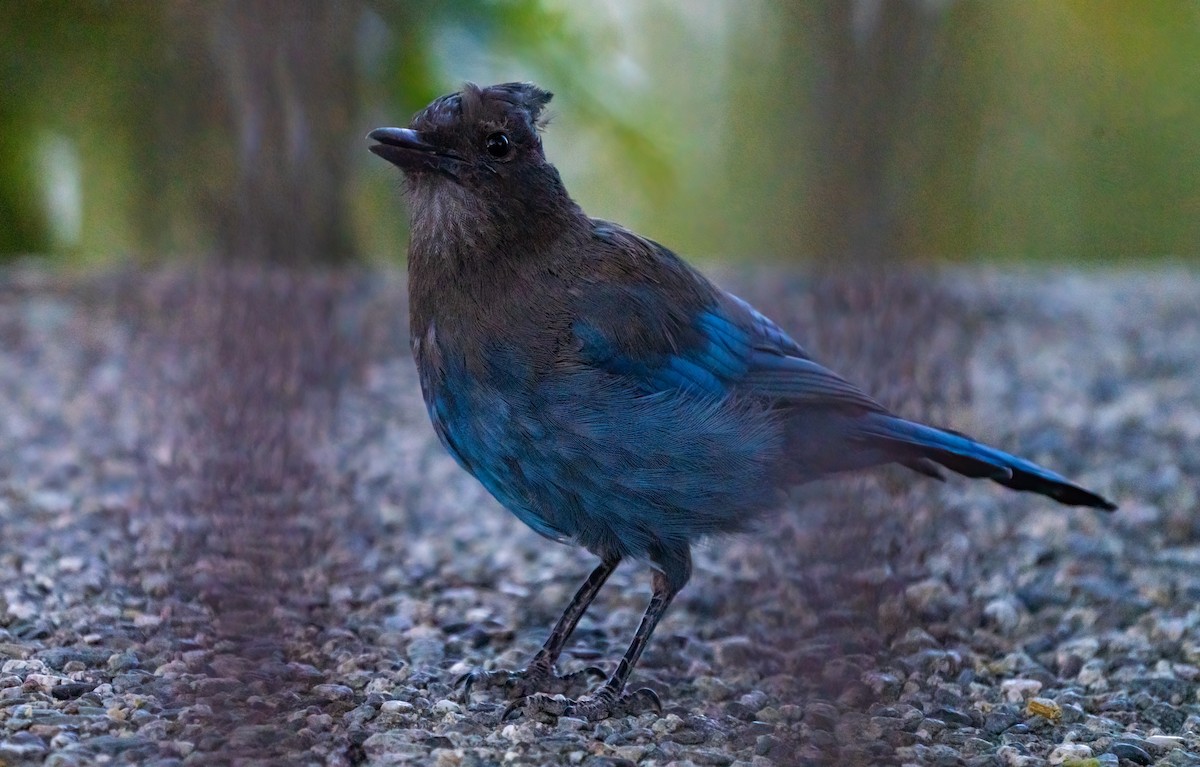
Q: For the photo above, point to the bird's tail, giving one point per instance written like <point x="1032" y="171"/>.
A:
<point x="919" y="447"/>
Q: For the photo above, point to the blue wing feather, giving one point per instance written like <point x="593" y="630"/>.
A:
<point x="727" y="347"/>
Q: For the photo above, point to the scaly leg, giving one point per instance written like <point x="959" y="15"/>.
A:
<point x="538" y="675"/>
<point x="610" y="699"/>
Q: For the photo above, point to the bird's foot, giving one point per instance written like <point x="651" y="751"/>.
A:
<point x="534" y="678"/>
<point x="602" y="705"/>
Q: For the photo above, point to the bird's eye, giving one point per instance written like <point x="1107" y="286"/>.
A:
<point x="498" y="145"/>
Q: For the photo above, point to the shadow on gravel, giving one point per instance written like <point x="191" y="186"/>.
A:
<point x="831" y="594"/>
<point x="243" y="369"/>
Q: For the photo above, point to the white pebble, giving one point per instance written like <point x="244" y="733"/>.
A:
<point x="1017" y="690"/>
<point x="1003" y="613"/>
<point x="1069" y="752"/>
<point x="396" y="707"/>
<point x="1092" y="674"/>
<point x="1166" y="742"/>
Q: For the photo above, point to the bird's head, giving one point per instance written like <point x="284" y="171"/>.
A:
<point x="475" y="169"/>
<point x="476" y="137"/>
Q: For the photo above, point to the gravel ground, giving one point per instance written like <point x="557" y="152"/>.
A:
<point x="229" y="536"/>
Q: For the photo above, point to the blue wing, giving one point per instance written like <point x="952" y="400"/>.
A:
<point x="717" y="348"/>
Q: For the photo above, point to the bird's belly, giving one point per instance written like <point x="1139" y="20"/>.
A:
<point x="615" y="470"/>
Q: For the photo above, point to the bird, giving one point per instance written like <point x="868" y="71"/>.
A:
<point x="606" y="392"/>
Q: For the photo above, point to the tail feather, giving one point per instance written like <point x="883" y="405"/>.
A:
<point x="917" y="444"/>
<point x="926" y="467"/>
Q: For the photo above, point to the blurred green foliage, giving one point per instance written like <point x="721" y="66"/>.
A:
<point x="822" y="129"/>
<point x="1069" y="130"/>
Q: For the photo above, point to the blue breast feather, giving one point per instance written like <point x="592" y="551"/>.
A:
<point x="620" y="456"/>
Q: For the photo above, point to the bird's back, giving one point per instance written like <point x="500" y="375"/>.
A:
<point x="567" y="391"/>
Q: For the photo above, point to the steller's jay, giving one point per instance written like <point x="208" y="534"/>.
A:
<point x="603" y="390"/>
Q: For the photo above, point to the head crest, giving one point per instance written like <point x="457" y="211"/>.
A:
<point x="526" y="96"/>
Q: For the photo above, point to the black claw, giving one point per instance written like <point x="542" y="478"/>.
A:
<point x="466" y="682"/>
<point x="513" y="705"/>
<point x="602" y="705"/>
<point x="595" y="671"/>
<point x="650" y="696"/>
<point x="519" y="684"/>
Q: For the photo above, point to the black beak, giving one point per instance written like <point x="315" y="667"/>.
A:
<point x="409" y="150"/>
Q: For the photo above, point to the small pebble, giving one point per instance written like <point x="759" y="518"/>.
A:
<point x="333" y="692"/>
<point x="426" y="652"/>
<point x="712" y="689"/>
<point x="633" y="753"/>
<point x="1166" y="742"/>
<point x="1068" y="752"/>
<point x="1044" y="707"/>
<point x="954" y="717"/>
<point x="1010" y="756"/>
<point x="1072" y="714"/>
<point x="1002" y="614"/>
<point x="1133" y="753"/>
<point x="1093" y="674"/>
<point x="667" y="724"/>
<point x="1017" y="690"/>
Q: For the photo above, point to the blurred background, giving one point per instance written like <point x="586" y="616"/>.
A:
<point x="818" y="130"/>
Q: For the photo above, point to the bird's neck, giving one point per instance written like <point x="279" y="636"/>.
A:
<point x="464" y="252"/>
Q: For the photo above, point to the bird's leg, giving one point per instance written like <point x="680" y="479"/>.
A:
<point x="610" y="699"/>
<point x="538" y="675"/>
